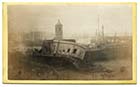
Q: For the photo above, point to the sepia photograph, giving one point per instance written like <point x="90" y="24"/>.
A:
<point x="69" y="43"/>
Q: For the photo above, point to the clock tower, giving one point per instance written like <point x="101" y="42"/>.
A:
<point x="58" y="31"/>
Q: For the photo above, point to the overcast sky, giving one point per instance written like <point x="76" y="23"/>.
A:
<point x="77" y="19"/>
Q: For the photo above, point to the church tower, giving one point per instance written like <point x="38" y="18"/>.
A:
<point x="58" y="31"/>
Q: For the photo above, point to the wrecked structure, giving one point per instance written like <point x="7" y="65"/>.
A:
<point x="76" y="53"/>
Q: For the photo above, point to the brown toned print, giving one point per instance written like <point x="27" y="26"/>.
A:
<point x="67" y="41"/>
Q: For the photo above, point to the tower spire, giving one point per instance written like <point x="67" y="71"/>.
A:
<point x="58" y="22"/>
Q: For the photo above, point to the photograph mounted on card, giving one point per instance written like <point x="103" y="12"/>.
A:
<point x="69" y="43"/>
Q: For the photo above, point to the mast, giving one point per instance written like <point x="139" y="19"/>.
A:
<point x="102" y="33"/>
<point x="98" y="32"/>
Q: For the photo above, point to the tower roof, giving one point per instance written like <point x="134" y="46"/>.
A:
<point x="58" y="23"/>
